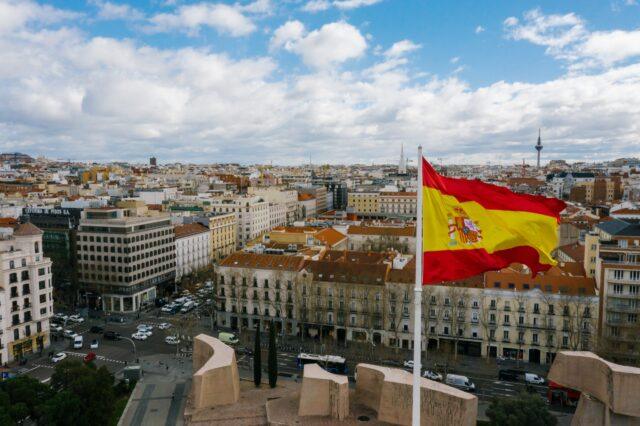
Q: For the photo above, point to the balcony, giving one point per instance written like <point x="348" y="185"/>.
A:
<point x="15" y="308"/>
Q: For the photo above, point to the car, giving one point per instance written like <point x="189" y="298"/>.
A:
<point x="408" y="364"/>
<point x="76" y="318"/>
<point x="55" y="328"/>
<point x="144" y="326"/>
<point x="228" y="338"/>
<point x="244" y="351"/>
<point x="111" y="335"/>
<point x="139" y="336"/>
<point x="94" y="344"/>
<point x="58" y="357"/>
<point x="533" y="379"/>
<point x="96" y="329"/>
<point x="61" y="317"/>
<point x="89" y="357"/>
<point x="69" y="333"/>
<point x="164" y="326"/>
<point x="460" y="382"/>
<point x="510" y="375"/>
<point x="432" y="375"/>
<point x="116" y="319"/>
<point x="172" y="340"/>
<point x="78" y="341"/>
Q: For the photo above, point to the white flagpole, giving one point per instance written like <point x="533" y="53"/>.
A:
<point x="417" y="302"/>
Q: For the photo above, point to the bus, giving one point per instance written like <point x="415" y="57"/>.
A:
<point x="331" y="363"/>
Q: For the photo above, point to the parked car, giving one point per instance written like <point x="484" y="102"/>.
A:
<point x="111" y="335"/>
<point x="533" y="379"/>
<point x="432" y="375"/>
<point x="78" y="341"/>
<point x="58" y="357"/>
<point x="172" y="340"/>
<point x="94" y="344"/>
<point x="510" y="375"/>
<point x="144" y="327"/>
<point x="160" y="301"/>
<point x="244" y="351"/>
<point x="69" y="333"/>
<point x="89" y="357"/>
<point x="139" y="336"/>
<point x="76" y="318"/>
<point x="164" y="326"/>
<point x="115" y="319"/>
<point x="228" y="338"/>
<point x="460" y="382"/>
<point x="61" y="317"/>
<point x="55" y="328"/>
<point x="96" y="329"/>
<point x="408" y="364"/>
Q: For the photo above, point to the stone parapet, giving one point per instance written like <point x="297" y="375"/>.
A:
<point x="215" y="379"/>
<point x="388" y="391"/>
<point x="323" y="393"/>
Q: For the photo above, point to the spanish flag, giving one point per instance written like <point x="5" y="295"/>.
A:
<point x="469" y="227"/>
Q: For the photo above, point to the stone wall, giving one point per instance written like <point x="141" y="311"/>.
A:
<point x="215" y="379"/>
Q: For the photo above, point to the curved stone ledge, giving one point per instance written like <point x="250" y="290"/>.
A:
<point x="616" y="386"/>
<point x="323" y="393"/>
<point x="387" y="391"/>
<point x="215" y="378"/>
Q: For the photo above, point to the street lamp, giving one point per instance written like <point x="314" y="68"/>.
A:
<point x="132" y="343"/>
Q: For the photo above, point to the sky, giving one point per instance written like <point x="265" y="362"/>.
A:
<point x="327" y="81"/>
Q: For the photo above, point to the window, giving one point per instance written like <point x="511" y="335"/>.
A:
<point x="618" y="288"/>
<point x="505" y="335"/>
<point x="618" y="274"/>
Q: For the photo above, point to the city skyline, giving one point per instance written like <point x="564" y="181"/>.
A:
<point x="264" y="82"/>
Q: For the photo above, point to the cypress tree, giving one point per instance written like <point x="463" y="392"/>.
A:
<point x="273" y="357"/>
<point x="257" y="361"/>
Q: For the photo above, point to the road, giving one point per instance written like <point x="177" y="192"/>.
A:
<point x="115" y="355"/>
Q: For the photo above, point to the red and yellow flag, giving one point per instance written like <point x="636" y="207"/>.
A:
<point x="469" y="227"/>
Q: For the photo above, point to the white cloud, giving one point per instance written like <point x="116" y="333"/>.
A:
<point x="262" y="7"/>
<point x="479" y="29"/>
<point x="566" y="37"/>
<point x="332" y="44"/>
<point x="400" y="48"/>
<point x="320" y="5"/>
<point x="316" y="6"/>
<point x="353" y="4"/>
<point x="66" y="94"/>
<point x="454" y="60"/>
<point x="287" y="34"/>
<point x="190" y="18"/>
<point x="18" y="13"/>
<point x="113" y="11"/>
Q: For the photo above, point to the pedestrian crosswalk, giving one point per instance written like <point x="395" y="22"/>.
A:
<point x="98" y="357"/>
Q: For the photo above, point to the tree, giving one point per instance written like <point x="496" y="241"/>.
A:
<point x="523" y="410"/>
<point x="273" y="357"/>
<point x="257" y="360"/>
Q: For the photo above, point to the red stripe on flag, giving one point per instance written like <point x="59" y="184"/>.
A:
<point x="490" y="196"/>
<point x="450" y="265"/>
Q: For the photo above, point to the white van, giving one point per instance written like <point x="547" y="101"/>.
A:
<point x="533" y="379"/>
<point x="187" y="307"/>
<point x="460" y="382"/>
<point x="77" y="342"/>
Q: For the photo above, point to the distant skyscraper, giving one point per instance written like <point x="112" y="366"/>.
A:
<point x="538" y="148"/>
<point x="153" y="161"/>
<point x="402" y="166"/>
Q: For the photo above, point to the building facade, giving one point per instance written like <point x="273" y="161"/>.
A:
<point x="193" y="248"/>
<point x="251" y="212"/>
<point x="617" y="273"/>
<point x="26" y="292"/>
<point x="367" y="203"/>
<point x="123" y="259"/>
<point x="398" y="204"/>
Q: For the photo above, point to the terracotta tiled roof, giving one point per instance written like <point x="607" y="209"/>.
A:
<point x="348" y="272"/>
<point x="241" y="259"/>
<point x="407" y="231"/>
<point x="330" y="236"/>
<point x="567" y="278"/>
<point x="27" y="229"/>
<point x="8" y="221"/>
<point x="305" y="197"/>
<point x="183" y="231"/>
<point x="360" y="257"/>
<point x="575" y="251"/>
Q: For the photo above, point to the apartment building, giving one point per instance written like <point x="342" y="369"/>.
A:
<point x="26" y="300"/>
<point x="398" y="204"/>
<point x="274" y="194"/>
<point x="193" y="248"/>
<point x="307" y="206"/>
<point x="598" y="190"/>
<point x="224" y="230"/>
<point x="617" y="273"/>
<point x="124" y="256"/>
<point x="368" y="297"/>
<point x="382" y="237"/>
<point x="277" y="215"/>
<point x="365" y="203"/>
<point x="319" y="193"/>
<point x="251" y="212"/>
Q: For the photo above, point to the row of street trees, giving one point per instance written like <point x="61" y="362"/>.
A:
<point x="272" y="358"/>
